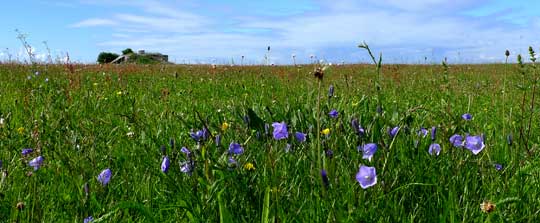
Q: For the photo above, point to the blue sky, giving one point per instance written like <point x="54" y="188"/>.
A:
<point x="217" y="31"/>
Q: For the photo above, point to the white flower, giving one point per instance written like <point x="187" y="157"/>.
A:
<point x="1" y="122"/>
<point x="130" y="134"/>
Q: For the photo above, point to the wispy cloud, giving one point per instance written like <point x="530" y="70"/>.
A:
<point x="412" y="29"/>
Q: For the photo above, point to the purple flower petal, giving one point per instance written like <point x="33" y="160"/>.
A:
<point x="434" y="149"/>
<point x="36" y="162"/>
<point x="457" y="140"/>
<point x="165" y="164"/>
<point x="27" y="151"/>
<point x="366" y="176"/>
<point x="300" y="137"/>
<point x="280" y="130"/>
<point x="88" y="219"/>
<point x="466" y="116"/>
<point x="474" y="143"/>
<point x="105" y="176"/>
<point x="235" y="148"/>
<point x="368" y="150"/>
<point x="333" y="113"/>
<point x="393" y="131"/>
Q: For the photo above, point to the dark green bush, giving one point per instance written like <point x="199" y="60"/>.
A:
<point x="106" y="57"/>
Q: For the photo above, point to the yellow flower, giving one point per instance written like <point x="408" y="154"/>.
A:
<point x="20" y="130"/>
<point x="249" y="166"/>
<point x="325" y="131"/>
<point x="119" y="93"/>
<point x="224" y="126"/>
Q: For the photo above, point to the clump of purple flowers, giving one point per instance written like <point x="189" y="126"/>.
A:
<point x="280" y="130"/>
<point x="366" y="176"/>
<point x="27" y="151"/>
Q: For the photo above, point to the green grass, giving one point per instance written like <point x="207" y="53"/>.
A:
<point x="79" y="121"/>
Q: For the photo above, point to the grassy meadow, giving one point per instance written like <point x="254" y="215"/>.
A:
<point x="83" y="119"/>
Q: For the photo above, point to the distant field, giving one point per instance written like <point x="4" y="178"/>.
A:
<point x="84" y="119"/>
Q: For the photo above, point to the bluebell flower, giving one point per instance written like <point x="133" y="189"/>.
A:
<point x="366" y="176"/>
<point x="434" y="149"/>
<point x="474" y="143"/>
<point x="333" y="113"/>
<point x="324" y="177"/>
<point x="497" y="166"/>
<point x="185" y="151"/>
<point x="456" y="140"/>
<point x="433" y="133"/>
<point x="393" y="131"/>
<point x="422" y="132"/>
<point x="105" y="176"/>
<point x="235" y="148"/>
<point x="27" y="151"/>
<point x="368" y="150"/>
<point x="36" y="162"/>
<point x="197" y="136"/>
<point x="331" y="91"/>
<point x="186" y="167"/>
<point x="466" y="117"/>
<point x="88" y="219"/>
<point x="231" y="161"/>
<point x="218" y="140"/>
<point x="280" y="130"/>
<point x="165" y="164"/>
<point x="329" y="153"/>
<point x="509" y="139"/>
<point x="300" y="137"/>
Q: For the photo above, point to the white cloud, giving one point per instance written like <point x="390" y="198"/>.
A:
<point x="95" y="22"/>
<point x="399" y="29"/>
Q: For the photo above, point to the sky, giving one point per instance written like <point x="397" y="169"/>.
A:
<point x="221" y="32"/>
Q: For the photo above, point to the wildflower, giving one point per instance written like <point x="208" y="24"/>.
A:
<point x="329" y="153"/>
<point x="368" y="150"/>
<point x="88" y="219"/>
<point x="434" y="149"/>
<point x="130" y="134"/>
<point x="119" y="93"/>
<point x="487" y="207"/>
<point x="433" y="133"/>
<point x="165" y="164"/>
<point x="300" y="137"/>
<point x="27" y="151"/>
<point x="231" y="160"/>
<point x="366" y="176"/>
<point x="331" y="91"/>
<point x="509" y="139"/>
<point x="186" y="167"/>
<point x="393" y="131"/>
<point x="498" y="166"/>
<point x="235" y="148"/>
<point x="185" y="151"/>
<point x="224" y="126"/>
<point x="36" y="162"/>
<point x="333" y="113"/>
<point x="422" y="132"/>
<point x="20" y="130"/>
<point x="457" y="140"/>
<point x="266" y="128"/>
<point x="197" y="136"/>
<point x="474" y="143"/>
<point x="324" y="177"/>
<point x="105" y="176"/>
<point x="205" y="133"/>
<point x="326" y="131"/>
<point x="249" y="166"/>
<point x="466" y="117"/>
<point x="218" y="140"/>
<point x="280" y="130"/>
<point x="355" y="125"/>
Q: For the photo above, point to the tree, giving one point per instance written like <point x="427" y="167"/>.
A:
<point x="127" y="51"/>
<point x="106" y="57"/>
